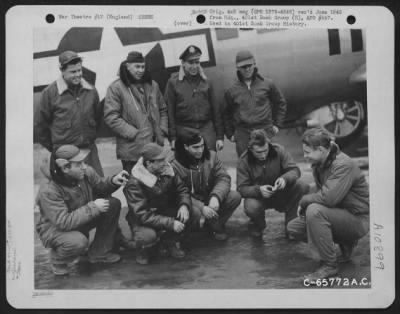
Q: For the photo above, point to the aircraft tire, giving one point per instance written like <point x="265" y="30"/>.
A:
<point x="350" y="118"/>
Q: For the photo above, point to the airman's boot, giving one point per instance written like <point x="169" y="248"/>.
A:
<point x="142" y="256"/>
<point x="323" y="271"/>
<point x="347" y="250"/>
<point x="174" y="249"/>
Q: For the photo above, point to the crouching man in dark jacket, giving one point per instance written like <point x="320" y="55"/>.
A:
<point x="338" y="211"/>
<point x="268" y="177"/>
<point x="159" y="204"/>
<point x="68" y="210"/>
<point x="210" y="185"/>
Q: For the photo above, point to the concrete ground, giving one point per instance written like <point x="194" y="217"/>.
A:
<point x="239" y="263"/>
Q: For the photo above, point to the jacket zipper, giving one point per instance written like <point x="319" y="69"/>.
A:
<point x="133" y="99"/>
<point x="191" y="178"/>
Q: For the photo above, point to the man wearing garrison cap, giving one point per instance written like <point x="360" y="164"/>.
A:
<point x="135" y="110"/>
<point x="252" y="102"/>
<point x="70" y="111"/>
<point x="191" y="102"/>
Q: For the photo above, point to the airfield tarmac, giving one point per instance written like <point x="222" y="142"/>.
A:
<point x="239" y="263"/>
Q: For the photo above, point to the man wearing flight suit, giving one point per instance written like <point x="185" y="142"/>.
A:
<point x="191" y="102"/>
<point x="70" y="111"/>
<point x="252" y="102"/>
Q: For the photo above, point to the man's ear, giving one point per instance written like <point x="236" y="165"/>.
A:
<point x="63" y="164"/>
<point x="65" y="168"/>
<point x="186" y="147"/>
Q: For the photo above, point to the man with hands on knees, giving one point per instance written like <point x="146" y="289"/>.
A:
<point x="201" y="170"/>
<point x="338" y="210"/>
<point x="68" y="210"/>
<point x="268" y="177"/>
<point x="158" y="204"/>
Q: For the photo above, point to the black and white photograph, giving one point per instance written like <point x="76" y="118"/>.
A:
<point x="220" y="154"/>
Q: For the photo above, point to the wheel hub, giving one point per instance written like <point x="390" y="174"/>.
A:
<point x="341" y="119"/>
<point x="340" y="115"/>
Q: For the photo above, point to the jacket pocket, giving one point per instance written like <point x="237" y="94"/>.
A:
<point x="61" y="130"/>
<point x="261" y="96"/>
<point x="91" y="122"/>
<point x="64" y="125"/>
<point x="144" y="136"/>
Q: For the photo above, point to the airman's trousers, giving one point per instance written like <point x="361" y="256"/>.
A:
<point x="227" y="207"/>
<point x="323" y="227"/>
<point x="286" y="200"/>
<point x="67" y="245"/>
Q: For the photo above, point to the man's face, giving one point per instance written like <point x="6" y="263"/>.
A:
<point x="195" y="150"/>
<point x="247" y="71"/>
<point x="191" y="66"/>
<point x="72" y="74"/>
<point x="136" y="69"/>
<point x="156" y="167"/>
<point x="260" y="152"/>
<point x="314" y="155"/>
<point x="75" y="170"/>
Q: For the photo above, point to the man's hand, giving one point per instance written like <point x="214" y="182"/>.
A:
<point x="178" y="226"/>
<point x="121" y="178"/>
<point x="232" y="139"/>
<point x="209" y="213"/>
<point x="183" y="214"/>
<point x="45" y="165"/>
<point x="280" y="184"/>
<point x="102" y="204"/>
<point x="275" y="129"/>
<point x="219" y="145"/>
<point x="214" y="203"/>
<point x="267" y="191"/>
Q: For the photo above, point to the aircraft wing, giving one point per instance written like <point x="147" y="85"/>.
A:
<point x="359" y="75"/>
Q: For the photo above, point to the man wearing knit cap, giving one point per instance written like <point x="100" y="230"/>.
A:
<point x="252" y="102"/>
<point x="135" y="110"/>
<point x="191" y="102"/>
<point x="69" y="210"/>
<point x="159" y="204"/>
<point x="70" y="111"/>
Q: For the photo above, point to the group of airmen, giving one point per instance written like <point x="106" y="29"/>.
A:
<point x="177" y="189"/>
